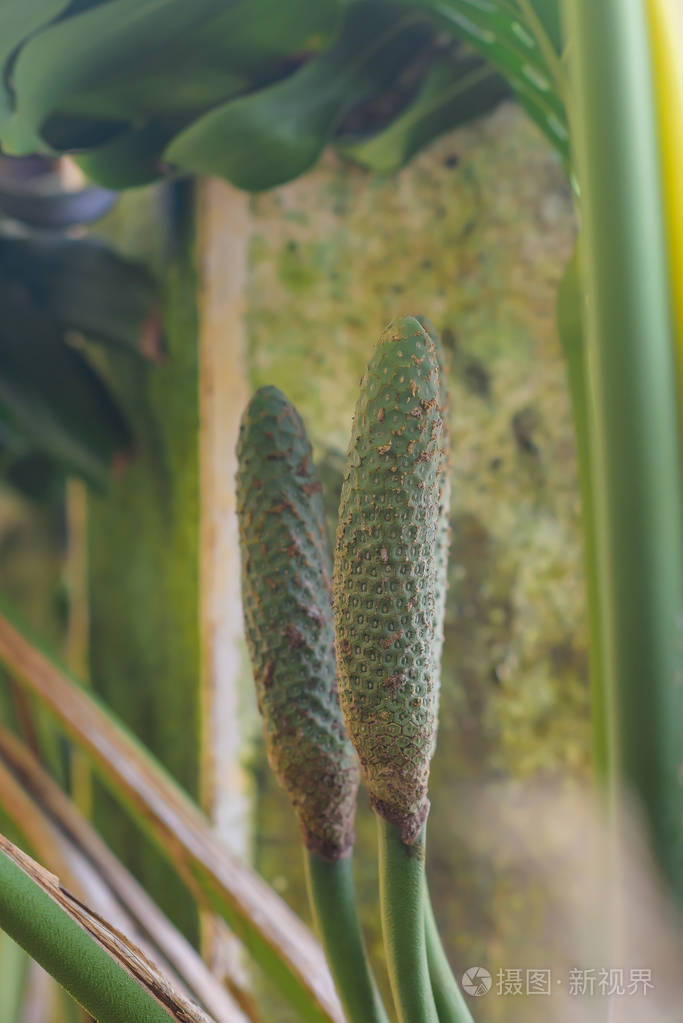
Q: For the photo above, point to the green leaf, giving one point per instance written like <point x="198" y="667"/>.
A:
<point x="132" y="159"/>
<point x="87" y="79"/>
<point x="56" y="211"/>
<point x="54" y="396"/>
<point x="519" y="38"/>
<point x="17" y="22"/>
<point x="456" y="89"/>
<point x="273" y="135"/>
<point x="82" y="285"/>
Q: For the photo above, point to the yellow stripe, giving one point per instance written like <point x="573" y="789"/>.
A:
<point x="666" y="35"/>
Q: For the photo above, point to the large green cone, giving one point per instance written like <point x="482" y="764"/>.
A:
<point x="286" y="570"/>
<point x="386" y="575"/>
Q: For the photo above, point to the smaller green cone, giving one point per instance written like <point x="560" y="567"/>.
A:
<point x="286" y="572"/>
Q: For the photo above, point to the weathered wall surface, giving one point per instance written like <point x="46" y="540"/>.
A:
<point x="474" y="234"/>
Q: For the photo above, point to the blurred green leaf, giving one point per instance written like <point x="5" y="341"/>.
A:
<point x="271" y="136"/>
<point x="54" y="396"/>
<point x="522" y="39"/>
<point x="36" y="476"/>
<point x="131" y="160"/>
<point x="84" y="81"/>
<point x="456" y="89"/>
<point x="83" y="285"/>
<point x="17" y="22"/>
<point x="56" y="211"/>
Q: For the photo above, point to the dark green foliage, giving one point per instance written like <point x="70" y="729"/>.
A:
<point x="58" y="416"/>
<point x="458" y="87"/>
<point x="91" y="77"/>
<point x="527" y="51"/>
<point x="51" y="399"/>
<point x="271" y="136"/>
<point x="286" y="569"/>
<point x="385" y="574"/>
<point x="254" y="91"/>
<point x="83" y="285"/>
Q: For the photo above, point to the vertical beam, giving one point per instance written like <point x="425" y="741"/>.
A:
<point x="222" y="228"/>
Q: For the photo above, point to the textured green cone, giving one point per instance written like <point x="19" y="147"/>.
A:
<point x="386" y="577"/>
<point x="286" y="570"/>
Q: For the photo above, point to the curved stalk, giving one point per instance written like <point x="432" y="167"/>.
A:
<point x="331" y="892"/>
<point x="448" y="998"/>
<point x="402" y="898"/>
<point x="34" y="920"/>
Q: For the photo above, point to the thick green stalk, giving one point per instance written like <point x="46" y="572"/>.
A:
<point x="70" y="954"/>
<point x="450" y="1003"/>
<point x="333" y="903"/>
<point x="402" y="897"/>
<point x="634" y="429"/>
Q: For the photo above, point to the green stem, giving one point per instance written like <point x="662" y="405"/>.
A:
<point x="449" y="999"/>
<point x="331" y="892"/>
<point x="70" y="954"/>
<point x="634" y="421"/>
<point x="402" y="888"/>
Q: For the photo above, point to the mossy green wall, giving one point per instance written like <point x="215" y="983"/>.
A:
<point x="473" y="234"/>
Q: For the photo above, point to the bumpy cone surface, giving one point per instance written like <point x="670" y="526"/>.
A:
<point x="286" y="571"/>
<point x="386" y="576"/>
<point x="443" y="533"/>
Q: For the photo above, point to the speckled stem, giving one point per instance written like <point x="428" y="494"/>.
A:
<point x="402" y="897"/>
<point x="333" y="903"/>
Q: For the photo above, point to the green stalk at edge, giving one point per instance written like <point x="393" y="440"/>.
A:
<point x="634" y="424"/>
<point x="70" y="954"/>
<point x="450" y="1002"/>
<point x="402" y="898"/>
<point x="570" y="329"/>
<point x="332" y="897"/>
